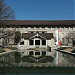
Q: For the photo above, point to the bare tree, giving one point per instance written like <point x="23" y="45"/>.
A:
<point x="6" y="12"/>
<point x="69" y="38"/>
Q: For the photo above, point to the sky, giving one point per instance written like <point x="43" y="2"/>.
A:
<point x="43" y="9"/>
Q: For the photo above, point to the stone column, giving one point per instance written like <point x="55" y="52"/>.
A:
<point x="34" y="53"/>
<point x="34" y="42"/>
<point x="40" y="42"/>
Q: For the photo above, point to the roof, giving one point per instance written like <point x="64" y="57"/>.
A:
<point x="45" y="35"/>
<point x="37" y="22"/>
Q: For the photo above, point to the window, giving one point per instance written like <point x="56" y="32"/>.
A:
<point x="31" y="32"/>
<point x="30" y="42"/>
<point x="37" y="42"/>
<point x="22" y="43"/>
<point x="43" y="32"/>
<point x="31" y="53"/>
<point x="43" y="53"/>
<point x="43" y="42"/>
<point x="37" y="53"/>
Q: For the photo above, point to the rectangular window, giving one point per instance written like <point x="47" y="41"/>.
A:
<point x="43" y="42"/>
<point x="31" y="32"/>
<point x="43" y="32"/>
<point x="31" y="42"/>
<point x="37" y="53"/>
<point x="37" y="42"/>
<point x="31" y="53"/>
<point x="44" y="53"/>
<point x="22" y="43"/>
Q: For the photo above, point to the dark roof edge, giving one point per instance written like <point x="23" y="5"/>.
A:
<point x="37" y="20"/>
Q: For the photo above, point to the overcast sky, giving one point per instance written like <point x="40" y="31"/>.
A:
<point x="43" y="9"/>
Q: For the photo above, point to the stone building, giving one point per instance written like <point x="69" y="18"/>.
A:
<point x="42" y="33"/>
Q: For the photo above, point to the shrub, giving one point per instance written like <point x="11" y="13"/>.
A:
<point x="17" y="37"/>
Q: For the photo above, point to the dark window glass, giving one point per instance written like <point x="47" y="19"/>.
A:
<point x="73" y="42"/>
<point x="37" y="37"/>
<point x="37" y="42"/>
<point x="43" y="42"/>
<point x="43" y="32"/>
<point x="22" y="43"/>
<point x="31" y="32"/>
<point x="37" y="53"/>
<point x="31" y="53"/>
<point x="30" y="42"/>
<point x="43" y="53"/>
<point x="50" y="49"/>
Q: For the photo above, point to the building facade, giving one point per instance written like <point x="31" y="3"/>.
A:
<point x="41" y="34"/>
